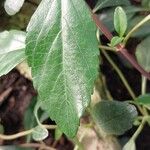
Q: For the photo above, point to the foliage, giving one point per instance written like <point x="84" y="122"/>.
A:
<point x="12" y="45"/>
<point x="114" y="117"/>
<point x="63" y="73"/>
<point x="61" y="47"/>
<point x="120" y="21"/>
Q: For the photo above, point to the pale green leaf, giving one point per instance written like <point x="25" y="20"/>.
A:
<point x="10" y="60"/>
<point x="130" y="145"/>
<point x="12" y="44"/>
<point x="62" y="50"/>
<point x="13" y="6"/>
<point x="110" y="3"/>
<point x="143" y="53"/>
<point x="12" y="40"/>
<point x="116" y="40"/>
<point x="120" y="21"/>
<point x="107" y="16"/>
<point x="40" y="133"/>
<point x="114" y="117"/>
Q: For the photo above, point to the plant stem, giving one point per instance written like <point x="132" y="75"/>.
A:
<point x="122" y="51"/>
<point x="15" y="136"/>
<point x="78" y="144"/>
<point x="120" y="48"/>
<point x="125" y="82"/>
<point x="35" y="145"/>
<point x="120" y="74"/>
<point x="107" y="48"/>
<point x="138" y="131"/>
<point x="36" y="108"/>
<point x="102" y="27"/>
<point x="143" y="91"/>
<point x="143" y="85"/>
<point x="23" y="133"/>
<point x="147" y="18"/>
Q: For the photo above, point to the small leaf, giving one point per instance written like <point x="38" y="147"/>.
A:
<point x="116" y="40"/>
<point x="13" y="6"/>
<point x="130" y="145"/>
<point x="12" y="44"/>
<point x="143" y="54"/>
<point x="107" y="16"/>
<point x="120" y="21"/>
<point x="58" y="134"/>
<point x="143" y="99"/>
<point x="114" y="117"/>
<point x="40" y="133"/>
<point x="62" y="51"/>
<point x="110" y="3"/>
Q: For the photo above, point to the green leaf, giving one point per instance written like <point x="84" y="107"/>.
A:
<point x="120" y="21"/>
<point x="143" y="99"/>
<point x="11" y="41"/>
<point x="116" y="40"/>
<point x="110" y="3"/>
<point x="107" y="16"/>
<point x="114" y="117"/>
<point x="62" y="51"/>
<point x="143" y="54"/>
<point x="130" y="145"/>
<point x="12" y="7"/>
<point x="40" y="133"/>
<point x="12" y="44"/>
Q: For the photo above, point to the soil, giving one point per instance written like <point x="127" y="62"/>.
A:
<point x="16" y="93"/>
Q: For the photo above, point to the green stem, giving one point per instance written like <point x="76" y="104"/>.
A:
<point x="125" y="82"/>
<point x="37" y="106"/>
<point x="120" y="74"/>
<point x="138" y="131"/>
<point x="107" y="48"/>
<point x="78" y="144"/>
<point x="147" y="18"/>
<point x="23" y="133"/>
<point x="143" y="91"/>
<point x="143" y="85"/>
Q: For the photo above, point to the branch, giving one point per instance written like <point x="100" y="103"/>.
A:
<point x="119" y="48"/>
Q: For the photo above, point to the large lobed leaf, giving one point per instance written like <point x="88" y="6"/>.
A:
<point x="62" y="50"/>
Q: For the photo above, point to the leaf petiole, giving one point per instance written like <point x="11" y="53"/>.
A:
<point x="147" y="18"/>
